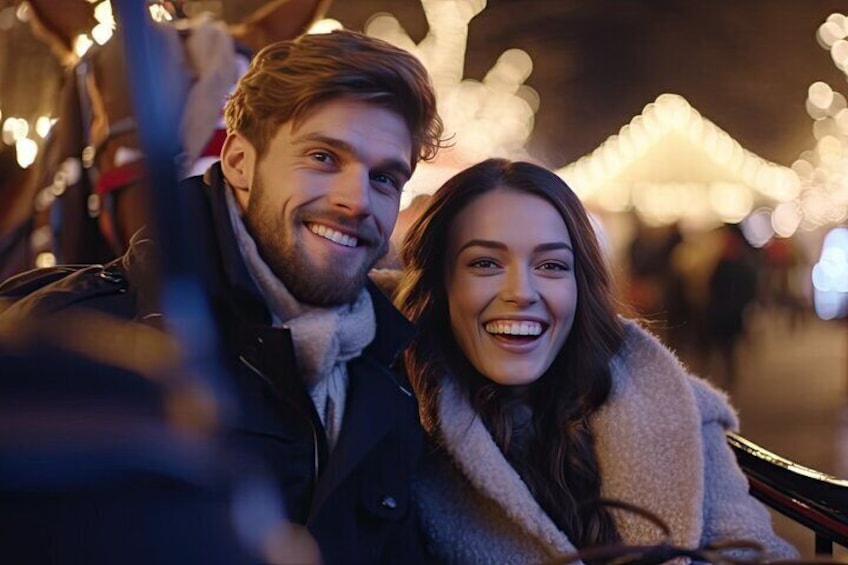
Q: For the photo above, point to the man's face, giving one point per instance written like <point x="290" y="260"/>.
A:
<point x="325" y="197"/>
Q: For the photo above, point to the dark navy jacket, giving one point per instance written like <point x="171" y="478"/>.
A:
<point x="354" y="501"/>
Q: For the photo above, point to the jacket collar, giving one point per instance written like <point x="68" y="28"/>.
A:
<point x="232" y="272"/>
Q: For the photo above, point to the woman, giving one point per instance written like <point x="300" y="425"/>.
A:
<point x="540" y="400"/>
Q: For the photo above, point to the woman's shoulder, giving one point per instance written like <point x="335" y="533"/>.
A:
<point x="646" y="363"/>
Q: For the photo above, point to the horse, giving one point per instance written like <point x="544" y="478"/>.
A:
<point x="92" y="179"/>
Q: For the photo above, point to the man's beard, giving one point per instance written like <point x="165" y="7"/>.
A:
<point x="317" y="285"/>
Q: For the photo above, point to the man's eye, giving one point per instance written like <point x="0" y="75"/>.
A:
<point x="321" y="156"/>
<point x="387" y="180"/>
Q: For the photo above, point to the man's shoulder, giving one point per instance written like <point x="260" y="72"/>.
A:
<point x="112" y="288"/>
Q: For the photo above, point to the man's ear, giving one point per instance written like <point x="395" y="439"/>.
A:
<point x="238" y="161"/>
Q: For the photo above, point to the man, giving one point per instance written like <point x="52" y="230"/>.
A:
<point x="323" y="133"/>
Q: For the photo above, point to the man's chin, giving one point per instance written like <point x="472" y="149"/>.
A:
<point x="331" y="288"/>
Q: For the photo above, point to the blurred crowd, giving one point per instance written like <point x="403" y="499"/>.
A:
<point x="701" y="290"/>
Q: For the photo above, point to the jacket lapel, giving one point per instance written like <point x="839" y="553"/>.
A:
<point x="371" y="411"/>
<point x="375" y="394"/>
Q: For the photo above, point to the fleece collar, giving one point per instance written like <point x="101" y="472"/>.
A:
<point x="648" y="441"/>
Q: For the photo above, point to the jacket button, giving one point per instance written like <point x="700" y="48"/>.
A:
<point x="389" y="502"/>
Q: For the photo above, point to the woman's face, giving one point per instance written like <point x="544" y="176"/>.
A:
<point x="509" y="275"/>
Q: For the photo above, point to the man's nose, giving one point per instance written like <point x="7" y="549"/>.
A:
<point x="352" y="192"/>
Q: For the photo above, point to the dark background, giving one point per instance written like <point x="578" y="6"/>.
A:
<point x="744" y="64"/>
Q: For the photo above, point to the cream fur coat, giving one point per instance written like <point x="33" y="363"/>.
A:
<point x="661" y="445"/>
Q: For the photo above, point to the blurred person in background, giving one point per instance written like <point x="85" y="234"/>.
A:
<point x="732" y="290"/>
<point x="322" y="134"/>
<point x="539" y="401"/>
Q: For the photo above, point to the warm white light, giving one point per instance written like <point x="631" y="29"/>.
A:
<point x="101" y="33"/>
<point x="820" y="94"/>
<point x="82" y="43"/>
<point x="26" y="150"/>
<point x="839" y="54"/>
<point x="43" y="125"/>
<point x="14" y="129"/>
<point x="325" y="25"/>
<point x="492" y="117"/>
<point x="785" y="219"/>
<point x="159" y="14"/>
<point x="705" y="202"/>
<point x="22" y="12"/>
<point x="103" y="13"/>
<point x="388" y="28"/>
<point x="510" y="71"/>
<point x="731" y="202"/>
<point x="828" y="33"/>
<point x="45" y="259"/>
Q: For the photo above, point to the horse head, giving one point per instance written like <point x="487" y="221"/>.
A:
<point x="97" y="171"/>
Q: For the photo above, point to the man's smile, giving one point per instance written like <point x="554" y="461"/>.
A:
<point x="333" y="235"/>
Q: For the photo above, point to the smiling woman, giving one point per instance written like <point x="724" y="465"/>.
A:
<point x="540" y="401"/>
<point x="512" y="290"/>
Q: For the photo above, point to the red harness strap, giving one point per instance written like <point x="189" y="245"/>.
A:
<point x="120" y="177"/>
<point x="216" y="142"/>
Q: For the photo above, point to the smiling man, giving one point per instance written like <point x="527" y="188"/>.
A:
<point x="322" y="134"/>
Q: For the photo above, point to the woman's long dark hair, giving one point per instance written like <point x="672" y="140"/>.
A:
<point x="557" y="460"/>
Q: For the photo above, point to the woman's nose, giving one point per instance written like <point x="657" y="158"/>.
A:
<point x="519" y="287"/>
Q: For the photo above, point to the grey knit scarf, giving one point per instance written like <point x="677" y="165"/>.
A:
<point x="324" y="339"/>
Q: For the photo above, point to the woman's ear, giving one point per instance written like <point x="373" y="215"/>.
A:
<point x="238" y="162"/>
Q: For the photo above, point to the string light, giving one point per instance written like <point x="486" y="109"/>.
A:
<point x="489" y="117"/>
<point x="669" y="164"/>
<point x="823" y="170"/>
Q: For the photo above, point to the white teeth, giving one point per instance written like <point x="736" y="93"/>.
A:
<point x="333" y="235"/>
<point x="510" y="327"/>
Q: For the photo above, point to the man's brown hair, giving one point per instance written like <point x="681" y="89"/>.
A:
<point x="288" y="79"/>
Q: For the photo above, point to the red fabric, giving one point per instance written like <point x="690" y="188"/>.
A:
<point x="213" y="148"/>
<point x="120" y="177"/>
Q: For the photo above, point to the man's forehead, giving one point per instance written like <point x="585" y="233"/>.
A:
<point x="354" y="127"/>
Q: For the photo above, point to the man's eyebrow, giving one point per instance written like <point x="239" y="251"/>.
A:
<point x="490" y="244"/>
<point x="396" y="165"/>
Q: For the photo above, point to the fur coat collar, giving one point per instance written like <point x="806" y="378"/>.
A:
<point x="651" y="453"/>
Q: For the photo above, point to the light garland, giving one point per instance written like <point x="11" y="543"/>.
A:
<point x="489" y="117"/>
<point x="823" y="170"/>
<point x="671" y="164"/>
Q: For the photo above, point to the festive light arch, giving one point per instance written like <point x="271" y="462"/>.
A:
<point x="671" y="164"/>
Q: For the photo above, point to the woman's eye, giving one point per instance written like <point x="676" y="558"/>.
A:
<point x="483" y="264"/>
<point x="554" y="266"/>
